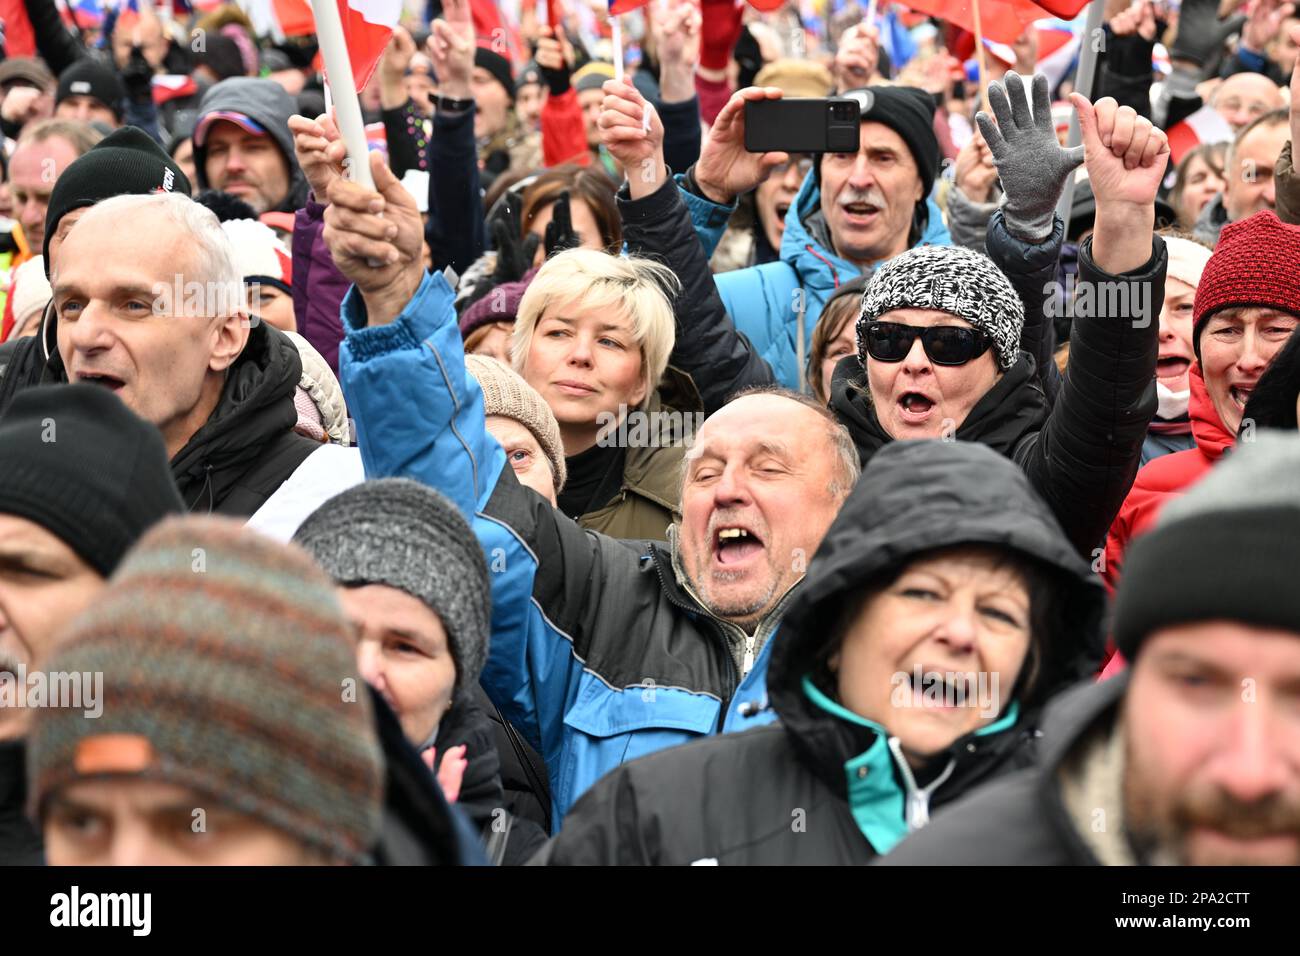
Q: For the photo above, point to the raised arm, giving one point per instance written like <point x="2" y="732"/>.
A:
<point x="1084" y="460"/>
<point x="419" y="414"/>
<point x="657" y="223"/>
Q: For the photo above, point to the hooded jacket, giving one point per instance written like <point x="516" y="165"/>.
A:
<point x="825" y="785"/>
<point x="1167" y="476"/>
<point x="599" y="653"/>
<point x="1082" y="450"/>
<point x="265" y="102"/>
<point x="762" y="299"/>
<point x="244" y="451"/>
<point x="1025" y="819"/>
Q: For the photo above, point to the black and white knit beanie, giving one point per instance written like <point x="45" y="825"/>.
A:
<point x="402" y="534"/>
<point x="1227" y="550"/>
<point x="950" y="279"/>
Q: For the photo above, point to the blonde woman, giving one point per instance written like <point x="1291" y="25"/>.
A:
<point x="593" y="335"/>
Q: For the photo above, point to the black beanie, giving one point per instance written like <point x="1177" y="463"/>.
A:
<point x="221" y="55"/>
<point x="498" y="66"/>
<point x="1225" y="551"/>
<point x="90" y="77"/>
<point x="126" y="162"/>
<point x="80" y="464"/>
<point x="909" y="112"/>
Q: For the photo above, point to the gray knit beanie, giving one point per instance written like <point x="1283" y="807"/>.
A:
<point x="404" y="535"/>
<point x="950" y="279"/>
<point x="505" y="393"/>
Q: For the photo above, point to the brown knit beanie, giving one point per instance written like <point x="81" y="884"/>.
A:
<point x="505" y="393"/>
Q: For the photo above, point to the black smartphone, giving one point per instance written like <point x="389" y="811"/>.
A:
<point x="830" y="125"/>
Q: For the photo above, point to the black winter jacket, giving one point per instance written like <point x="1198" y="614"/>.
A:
<point x="708" y="347"/>
<point x="1022" y="820"/>
<point x="245" y="450"/>
<point x="1082" y="451"/>
<point x="20" y="844"/>
<point x="823" y="786"/>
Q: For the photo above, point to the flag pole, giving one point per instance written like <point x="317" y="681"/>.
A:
<point x="979" y="59"/>
<point x="616" y="39"/>
<point x="342" y="84"/>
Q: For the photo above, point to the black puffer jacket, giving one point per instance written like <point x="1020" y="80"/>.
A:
<point x="708" y="348"/>
<point x="244" y="451"/>
<point x="823" y="785"/>
<point x="1082" y="451"/>
<point x="1022" y="819"/>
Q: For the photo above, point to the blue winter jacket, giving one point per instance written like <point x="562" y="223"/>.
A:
<point x="598" y="654"/>
<point x="763" y="301"/>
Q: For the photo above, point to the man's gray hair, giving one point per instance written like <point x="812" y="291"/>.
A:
<point x="211" y="257"/>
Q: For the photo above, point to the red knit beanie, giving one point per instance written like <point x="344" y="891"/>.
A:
<point x="1256" y="263"/>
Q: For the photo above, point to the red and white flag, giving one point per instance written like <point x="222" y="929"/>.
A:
<point x="367" y="26"/>
<point x="1206" y="125"/>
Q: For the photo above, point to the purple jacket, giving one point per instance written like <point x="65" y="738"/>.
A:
<point x="318" y="286"/>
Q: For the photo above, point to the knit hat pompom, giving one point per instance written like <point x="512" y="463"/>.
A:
<point x="1253" y="265"/>
<point x="228" y="668"/>
<point x="506" y="393"/>
<point x="949" y="279"/>
<point x="404" y="535"/>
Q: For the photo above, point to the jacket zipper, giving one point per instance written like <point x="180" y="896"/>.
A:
<point x="917" y="805"/>
<point x="734" y="683"/>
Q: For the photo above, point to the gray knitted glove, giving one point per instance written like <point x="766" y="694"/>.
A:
<point x="1031" y="163"/>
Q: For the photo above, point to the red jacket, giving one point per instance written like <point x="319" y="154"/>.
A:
<point x="1167" y="476"/>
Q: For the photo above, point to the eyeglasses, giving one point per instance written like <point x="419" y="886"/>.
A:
<point x="800" y="161"/>
<point x="944" y="344"/>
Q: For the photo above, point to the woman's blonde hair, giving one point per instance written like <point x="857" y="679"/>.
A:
<point x="611" y="285"/>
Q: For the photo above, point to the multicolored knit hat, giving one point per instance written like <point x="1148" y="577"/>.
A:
<point x="950" y="279"/>
<point x="228" y="668"/>
<point x="1254" y="266"/>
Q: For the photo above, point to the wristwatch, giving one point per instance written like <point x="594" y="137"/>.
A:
<point x="449" y="105"/>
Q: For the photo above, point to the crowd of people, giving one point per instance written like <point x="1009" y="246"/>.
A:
<point x="593" y="490"/>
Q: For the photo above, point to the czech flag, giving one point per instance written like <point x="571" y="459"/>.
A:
<point x="367" y="27"/>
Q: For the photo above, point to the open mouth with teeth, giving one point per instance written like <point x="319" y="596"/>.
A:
<point x="915" y="407"/>
<point x="938" y="689"/>
<point x="734" y="545"/>
<point x="1172" y="366"/>
<point x="1240" y="394"/>
<point x="860" y="210"/>
<point x="110" y="382"/>
<point x="781" y="209"/>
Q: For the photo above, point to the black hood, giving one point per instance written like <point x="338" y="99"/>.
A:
<point x="1273" y="403"/>
<point x="255" y="409"/>
<point x="918" y="497"/>
<point x="1014" y="408"/>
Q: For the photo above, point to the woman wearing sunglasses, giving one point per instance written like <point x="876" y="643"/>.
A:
<point x="955" y="345"/>
<point x="942" y="609"/>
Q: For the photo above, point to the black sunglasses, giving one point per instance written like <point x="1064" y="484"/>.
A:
<point x="944" y="344"/>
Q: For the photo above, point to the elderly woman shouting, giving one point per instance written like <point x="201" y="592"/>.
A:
<point x="953" y="344"/>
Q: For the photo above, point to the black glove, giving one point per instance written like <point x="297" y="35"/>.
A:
<point x="514" y="254"/>
<point x="1201" y="33"/>
<point x="557" y="81"/>
<point x="559" y="231"/>
<point x="137" y="77"/>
